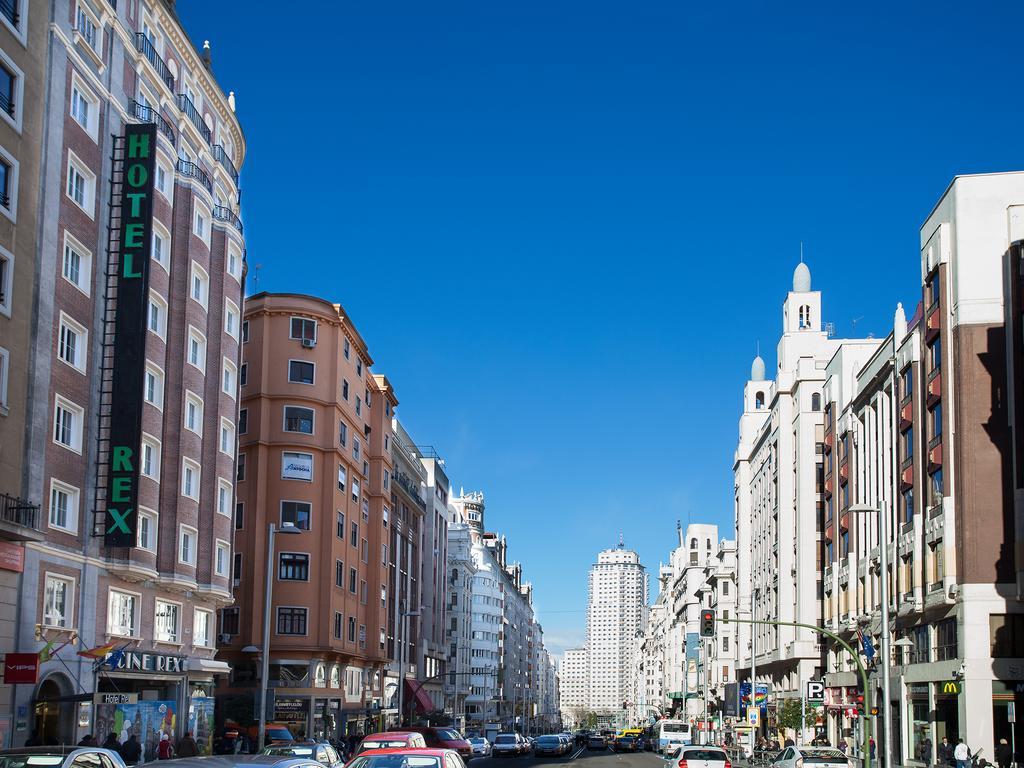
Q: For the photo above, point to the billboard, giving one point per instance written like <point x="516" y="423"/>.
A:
<point x="732" y="700"/>
<point x="129" y="353"/>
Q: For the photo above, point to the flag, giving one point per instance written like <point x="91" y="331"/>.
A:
<point x="99" y="652"/>
<point x="867" y="646"/>
<point x="46" y="652"/>
<point x="113" y="658"/>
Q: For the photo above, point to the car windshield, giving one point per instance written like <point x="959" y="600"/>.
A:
<point x="448" y="734"/>
<point x="396" y="761"/>
<point x="20" y="761"/>
<point x="703" y="754"/>
<point x="549" y="740"/>
<point x="477" y="740"/>
<point x="290" y="751"/>
<point x="384" y="744"/>
<point x="505" y="740"/>
<point x="823" y="756"/>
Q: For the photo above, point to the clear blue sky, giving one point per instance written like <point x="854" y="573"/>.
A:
<point x="562" y="226"/>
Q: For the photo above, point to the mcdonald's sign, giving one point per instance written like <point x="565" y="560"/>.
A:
<point x="951" y="687"/>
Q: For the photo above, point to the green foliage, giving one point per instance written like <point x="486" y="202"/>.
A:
<point x="788" y="714"/>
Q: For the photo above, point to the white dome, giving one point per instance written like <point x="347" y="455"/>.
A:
<point x="801" y="279"/>
<point x="757" y="369"/>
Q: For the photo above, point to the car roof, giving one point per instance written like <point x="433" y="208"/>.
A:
<point x="406" y="751"/>
<point x="229" y="761"/>
<point x="57" y="749"/>
<point x="391" y="735"/>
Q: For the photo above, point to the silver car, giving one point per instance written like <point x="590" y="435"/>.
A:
<point x="241" y="761"/>
<point x="60" y="757"/>
<point x="481" y="746"/>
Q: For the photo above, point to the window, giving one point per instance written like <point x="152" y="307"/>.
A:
<point x="340" y="530"/>
<point x="355" y="448"/>
<point x="936" y="418"/>
<point x="815" y="402"/>
<point x="362" y="592"/>
<point x="85" y="107"/>
<point x="293" y="566"/>
<point x="240" y="468"/>
<point x="196" y="348"/>
<point x="229" y="378"/>
<point x="12" y="89"/>
<point x="359" y="407"/>
<point x="243" y="375"/>
<point x="907" y="504"/>
<point x="291" y="621"/>
<point x="364" y="550"/>
<point x="199" y="283"/>
<point x="342" y="433"/>
<point x="147" y="530"/>
<point x="220" y="563"/>
<point x="347" y="349"/>
<point x="150" y="463"/>
<point x="229" y="621"/>
<point x="236" y="569"/>
<point x="163" y="179"/>
<point x="338" y="629"/>
<point x="935" y="353"/>
<point x="298" y="419"/>
<point x="63" y="506"/>
<point x="231" y="318"/>
<point x="223" y="497"/>
<point x="243" y="421"/>
<point x="300" y="372"/>
<point x="934" y="288"/>
<point x="339" y="573"/>
<point x="344" y="389"/>
<point x="189" y="480"/>
<point x="355" y="492"/>
<point x="303" y="328"/>
<point x="67" y="424"/>
<point x="201" y="621"/>
<point x="122" y="613"/>
<point x="201" y="224"/>
<point x="239" y="515"/>
<point x="234" y="267"/>
<point x="154" y="383"/>
<point x="58" y="601"/>
<point x="167" y="622"/>
<point x="387" y="480"/>
<point x="907" y="438"/>
<point x="297" y="513"/>
<point x="193" y="412"/>
<point x="72" y="343"/>
<point x="227" y="437"/>
<point x="907" y="381"/>
<point x="936" y="487"/>
<point x="351" y="629"/>
<point x="6" y="281"/>
<point x="362" y="635"/>
<point x="160" y="246"/>
<point x="157" y="315"/>
<point x="359" y="367"/>
<point x="85" y="25"/>
<point x="76" y="266"/>
<point x="353" y="579"/>
<point x="341" y="477"/>
<point x="81" y="184"/>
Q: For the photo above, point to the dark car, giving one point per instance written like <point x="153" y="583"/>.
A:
<point x="597" y="741"/>
<point x="549" y="745"/>
<point x="445" y="738"/>
<point x="624" y="744"/>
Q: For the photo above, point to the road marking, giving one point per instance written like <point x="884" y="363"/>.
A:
<point x="577" y="753"/>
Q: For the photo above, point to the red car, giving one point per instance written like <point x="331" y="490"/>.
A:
<point x="407" y="758"/>
<point x="392" y="740"/>
<point x="441" y="737"/>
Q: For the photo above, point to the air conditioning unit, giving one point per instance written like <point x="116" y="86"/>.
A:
<point x="308" y="343"/>
<point x="224" y="638"/>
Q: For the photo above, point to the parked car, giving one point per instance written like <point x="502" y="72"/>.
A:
<point x="549" y="745"/>
<point x="323" y="753"/>
<point x="408" y="758"/>
<point x="60" y="757"/>
<point x="810" y="757"/>
<point x="243" y="761"/>
<point x="509" y="745"/>
<point x="444" y="738"/>
<point x="392" y="740"/>
<point x="567" y="740"/>
<point x="624" y="744"/>
<point x="699" y="757"/>
<point x="481" y="746"/>
<point x="597" y="741"/>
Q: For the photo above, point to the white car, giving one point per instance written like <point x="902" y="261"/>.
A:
<point x="509" y="745"/>
<point x="672" y="743"/>
<point x="481" y="746"/>
<point x="810" y="757"/>
<point x="697" y="757"/>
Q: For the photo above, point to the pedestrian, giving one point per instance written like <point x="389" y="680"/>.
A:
<point x="111" y="742"/>
<point x="33" y="740"/>
<point x="945" y="752"/>
<point x="789" y="742"/>
<point x="871" y="748"/>
<point x="962" y="754"/>
<point x="1004" y="755"/>
<point x="187" y="746"/>
<point x="88" y="741"/>
<point x="842" y="745"/>
<point x="131" y="750"/>
<point x="164" y="750"/>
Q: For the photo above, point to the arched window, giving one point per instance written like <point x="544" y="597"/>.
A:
<point x="693" y="543"/>
<point x="320" y="678"/>
<point x="759" y="400"/>
<point x="335" y="676"/>
<point x="709" y="543"/>
<point x="816" y="402"/>
<point x="805" y="316"/>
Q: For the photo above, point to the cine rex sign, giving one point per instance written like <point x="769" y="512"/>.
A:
<point x="129" y="359"/>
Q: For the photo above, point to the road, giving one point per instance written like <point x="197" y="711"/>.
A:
<point x="578" y="758"/>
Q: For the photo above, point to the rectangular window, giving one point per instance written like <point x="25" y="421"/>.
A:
<point x="351" y="629"/>
<point x="58" y="599"/>
<point x="150" y="464"/>
<point x="907" y="503"/>
<point x="353" y="580"/>
<point x="935" y="353"/>
<point x="354" y="535"/>
<point x="362" y="592"/>
<point x="355" y="489"/>
<point x="245" y="331"/>
<point x="193" y="413"/>
<point x="85" y="25"/>
<point x="227" y="437"/>
<point x="339" y="573"/>
<point x="187" y="539"/>
<point x="240" y="468"/>
<point x="220" y="563"/>
<point x="341" y="477"/>
<point x="344" y="389"/>
<point x="243" y="421"/>
<point x="298" y="419"/>
<point x="157" y="315"/>
<point x="303" y="328"/>
<point x="936" y="487"/>
<point x="167" y="622"/>
<point x="355" y="448"/>
<point x="200" y="226"/>
<point x="122" y="613"/>
<point x="341" y="525"/>
<point x="81" y="184"/>
<point x="223" y="498"/>
<point x="936" y="419"/>
<point x="72" y="343"/>
<point x="154" y="383"/>
<point x="6" y="281"/>
<point x="297" y="513"/>
<point x="190" y="479"/>
<point x="236" y="569"/>
<point x="76" y="266"/>
<point x="231" y="318"/>
<point x="201" y="621"/>
<point x="196" y="349"/>
<point x="338" y="625"/>
<point x="159" y="248"/>
<point x="243" y="375"/>
<point x="300" y="372"/>
<point x="63" y="506"/>
<point x="239" y="516"/>
<point x="907" y="439"/>
<point x="291" y="621"/>
<point x="342" y="433"/>
<point x="10" y="81"/>
<point x="229" y="378"/>
<point x="293" y="566"/>
<point x="67" y="424"/>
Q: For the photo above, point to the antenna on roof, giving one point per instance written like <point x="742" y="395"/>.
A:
<point x="801" y="251"/>
<point x="620" y="540"/>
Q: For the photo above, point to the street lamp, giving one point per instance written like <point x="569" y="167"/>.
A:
<point x="268" y="591"/>
<point x="402" y="662"/>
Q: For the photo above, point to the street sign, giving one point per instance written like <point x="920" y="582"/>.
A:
<point x="116" y="698"/>
<point x="752" y="715"/>
<point x="815" y="691"/>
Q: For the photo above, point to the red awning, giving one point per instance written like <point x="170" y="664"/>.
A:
<point x="416" y="693"/>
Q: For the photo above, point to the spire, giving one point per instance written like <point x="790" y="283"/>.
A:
<point x="757" y="367"/>
<point x="621" y="544"/>
<point x="801" y="275"/>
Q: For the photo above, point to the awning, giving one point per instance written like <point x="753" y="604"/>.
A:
<point x="212" y="666"/>
<point x="420" y="696"/>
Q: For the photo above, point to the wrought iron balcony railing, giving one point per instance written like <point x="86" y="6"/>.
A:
<point x="150" y="115"/>
<point x="193" y="171"/>
<point x="189" y="109"/>
<point x="145" y="46"/>
<point x="221" y="213"/>
<point x="19" y="511"/>
<point x="221" y="156"/>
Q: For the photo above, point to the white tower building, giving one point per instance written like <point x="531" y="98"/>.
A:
<point x="616" y="619"/>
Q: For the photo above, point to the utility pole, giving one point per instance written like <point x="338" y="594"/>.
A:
<point x="706" y="736"/>
<point x="753" y="672"/>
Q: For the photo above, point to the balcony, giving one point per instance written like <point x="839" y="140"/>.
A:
<point x="189" y="110"/>
<point x="145" y="46"/>
<point x="221" y="156"/>
<point x="193" y="171"/>
<point x="150" y="115"/>
<point x="222" y="213"/>
<point x="19" y="519"/>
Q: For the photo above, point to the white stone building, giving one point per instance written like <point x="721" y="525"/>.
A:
<point x="574" y="685"/>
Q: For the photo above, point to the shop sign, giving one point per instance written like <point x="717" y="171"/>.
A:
<point x="116" y="698"/>
<point x="151" y="662"/>
<point x="297" y="466"/>
<point x="12" y="557"/>
<point x="291" y="710"/>
<point x="950" y="687"/>
<point x="130" y="331"/>
<point x="918" y="690"/>
<point x="21" y="668"/>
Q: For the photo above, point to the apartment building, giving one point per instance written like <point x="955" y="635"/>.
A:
<point x="922" y="433"/>
<point x="719" y="594"/>
<point x="136" y="312"/>
<point x="574" y="686"/>
<point x="461" y="572"/>
<point x="315" y="461"/>
<point x="432" y="653"/>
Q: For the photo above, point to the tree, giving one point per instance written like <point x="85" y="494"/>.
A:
<point x="788" y="715"/>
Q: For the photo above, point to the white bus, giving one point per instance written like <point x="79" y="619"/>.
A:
<point x="669" y="734"/>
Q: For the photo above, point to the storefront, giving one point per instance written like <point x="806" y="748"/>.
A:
<point x="1007" y="693"/>
<point x="922" y="746"/>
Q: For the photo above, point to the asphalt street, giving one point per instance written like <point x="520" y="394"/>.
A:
<point x="578" y="758"/>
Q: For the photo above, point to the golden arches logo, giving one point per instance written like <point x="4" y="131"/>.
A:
<point x="950" y="687"/>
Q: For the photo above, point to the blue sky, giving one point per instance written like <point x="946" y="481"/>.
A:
<point x="563" y="226"/>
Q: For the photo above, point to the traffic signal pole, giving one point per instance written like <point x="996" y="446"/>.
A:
<point x="866" y="733"/>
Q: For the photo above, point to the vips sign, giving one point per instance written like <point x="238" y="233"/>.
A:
<point x="21" y="668"/>
<point x="129" y="359"/>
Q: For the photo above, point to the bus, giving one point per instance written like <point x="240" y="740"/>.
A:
<point x="636" y="733"/>
<point x="672" y="733"/>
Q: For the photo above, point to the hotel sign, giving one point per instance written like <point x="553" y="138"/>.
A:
<point x="129" y="358"/>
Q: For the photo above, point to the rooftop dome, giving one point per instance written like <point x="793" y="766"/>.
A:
<point x="801" y="278"/>
<point x="757" y="369"/>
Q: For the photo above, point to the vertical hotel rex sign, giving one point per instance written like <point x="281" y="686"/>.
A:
<point x="129" y="360"/>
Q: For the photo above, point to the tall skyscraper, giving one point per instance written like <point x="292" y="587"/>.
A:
<point x="616" y="617"/>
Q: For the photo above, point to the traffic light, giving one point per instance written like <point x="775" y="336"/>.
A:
<point x="707" y="623"/>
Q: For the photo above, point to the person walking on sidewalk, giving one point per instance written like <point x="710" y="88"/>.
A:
<point x="1004" y="755"/>
<point x="945" y="752"/>
<point x="962" y="754"/>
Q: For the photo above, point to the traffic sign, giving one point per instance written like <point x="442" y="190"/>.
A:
<point x="753" y="715"/>
<point x="815" y="690"/>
